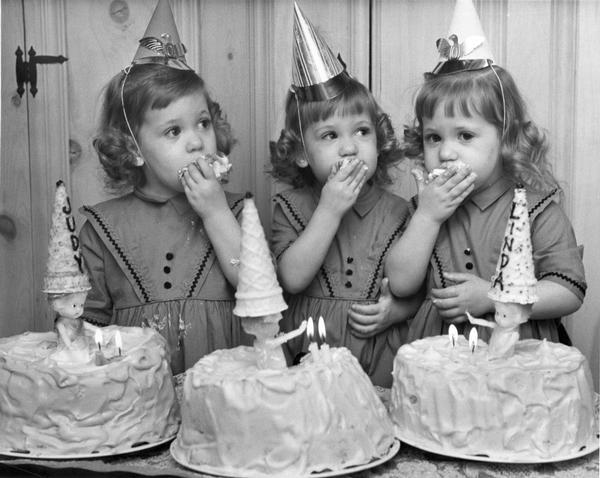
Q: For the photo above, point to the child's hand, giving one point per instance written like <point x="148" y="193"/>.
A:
<point x="343" y="187"/>
<point x="439" y="198"/>
<point x="367" y="320"/>
<point x="469" y="293"/>
<point x="202" y="189"/>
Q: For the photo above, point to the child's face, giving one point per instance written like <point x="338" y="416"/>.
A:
<point x="70" y="305"/>
<point x="472" y="140"/>
<point x="337" y="138"/>
<point x="173" y="137"/>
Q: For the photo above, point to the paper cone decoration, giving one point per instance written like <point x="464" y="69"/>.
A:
<point x="161" y="43"/>
<point x="514" y="281"/>
<point x="466" y="47"/>
<point x="258" y="293"/>
<point x="317" y="74"/>
<point x="65" y="272"/>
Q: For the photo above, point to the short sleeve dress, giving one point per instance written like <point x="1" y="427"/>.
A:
<point x="470" y="242"/>
<point x="151" y="264"/>
<point x="351" y="273"/>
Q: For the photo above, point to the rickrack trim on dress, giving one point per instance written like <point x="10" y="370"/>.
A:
<point x="562" y="276"/>
<point x="383" y="254"/>
<point x="285" y="202"/>
<point x="542" y="201"/>
<point x="119" y="251"/>
<point x="438" y="263"/>
<point x="204" y="260"/>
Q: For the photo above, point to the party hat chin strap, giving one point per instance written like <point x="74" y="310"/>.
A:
<point x="503" y="98"/>
<point x="126" y="71"/>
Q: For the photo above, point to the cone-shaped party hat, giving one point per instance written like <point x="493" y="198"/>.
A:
<point x="258" y="293"/>
<point x="515" y="280"/>
<point x="161" y="43"/>
<point x="317" y="74"/>
<point x="65" y="272"/>
<point x="466" y="47"/>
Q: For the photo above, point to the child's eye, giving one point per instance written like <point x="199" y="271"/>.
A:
<point x="173" y="131"/>
<point x="329" y="135"/>
<point x="432" y="138"/>
<point x="205" y="123"/>
<point x="364" y="131"/>
<point x="466" y="136"/>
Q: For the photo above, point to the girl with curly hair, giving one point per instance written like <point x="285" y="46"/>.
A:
<point x="160" y="255"/>
<point x="332" y="230"/>
<point x="472" y="128"/>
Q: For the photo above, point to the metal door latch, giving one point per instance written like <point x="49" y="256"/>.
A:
<point x="27" y="72"/>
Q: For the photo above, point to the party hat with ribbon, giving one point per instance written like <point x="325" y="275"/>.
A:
<point x="161" y="43"/>
<point x="258" y="293"/>
<point x="466" y="47"/>
<point x="514" y="280"/>
<point x="65" y="272"/>
<point x="317" y="74"/>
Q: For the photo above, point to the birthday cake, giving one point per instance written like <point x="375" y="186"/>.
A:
<point x="51" y="405"/>
<point x="539" y="403"/>
<point x="242" y="420"/>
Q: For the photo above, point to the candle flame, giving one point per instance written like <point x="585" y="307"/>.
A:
<point x="98" y="338"/>
<point x="321" y="328"/>
<point x="453" y="334"/>
<point x="118" y="341"/>
<point x="473" y="339"/>
<point x="310" y="329"/>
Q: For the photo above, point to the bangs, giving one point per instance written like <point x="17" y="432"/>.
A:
<point x="171" y="85"/>
<point x="354" y="100"/>
<point x="464" y="95"/>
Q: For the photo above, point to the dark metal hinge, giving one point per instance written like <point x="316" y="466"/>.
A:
<point x="27" y="71"/>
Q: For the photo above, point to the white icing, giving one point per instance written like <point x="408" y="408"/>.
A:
<point x="57" y="408"/>
<point x="307" y="418"/>
<point x="536" y="403"/>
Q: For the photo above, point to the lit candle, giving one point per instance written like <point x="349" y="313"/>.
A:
<point x="313" y="348"/>
<point x="99" y="356"/>
<point x="118" y="341"/>
<point x="280" y="340"/>
<point x="473" y="339"/>
<point x="324" y="347"/>
<point x="453" y="335"/>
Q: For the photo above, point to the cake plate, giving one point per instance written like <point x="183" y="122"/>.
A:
<point x="591" y="446"/>
<point x="213" y="470"/>
<point x="82" y="456"/>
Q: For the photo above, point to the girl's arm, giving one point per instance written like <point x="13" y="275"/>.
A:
<point x="554" y="301"/>
<point x="207" y="198"/>
<point x="301" y="261"/>
<point x="407" y="261"/>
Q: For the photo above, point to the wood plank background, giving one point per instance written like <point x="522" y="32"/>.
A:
<point x="243" y="51"/>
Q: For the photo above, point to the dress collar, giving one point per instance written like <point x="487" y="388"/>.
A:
<point x="179" y="201"/>
<point x="486" y="197"/>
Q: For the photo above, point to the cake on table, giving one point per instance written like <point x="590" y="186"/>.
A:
<point x="51" y="405"/>
<point x="80" y="389"/>
<point x="510" y="399"/>
<point x="246" y="413"/>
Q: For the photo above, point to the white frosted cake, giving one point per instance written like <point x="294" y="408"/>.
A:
<point x="241" y="420"/>
<point x="535" y="404"/>
<point x="53" y="406"/>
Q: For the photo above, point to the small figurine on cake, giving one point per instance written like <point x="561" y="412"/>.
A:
<point x="66" y="282"/>
<point x="259" y="298"/>
<point x="514" y="284"/>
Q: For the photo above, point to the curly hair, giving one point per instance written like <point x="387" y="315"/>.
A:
<point x="148" y="86"/>
<point x="524" y="146"/>
<point x="355" y="99"/>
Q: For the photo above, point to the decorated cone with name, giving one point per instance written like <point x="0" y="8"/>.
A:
<point x="514" y="280"/>
<point x="65" y="273"/>
<point x="258" y="292"/>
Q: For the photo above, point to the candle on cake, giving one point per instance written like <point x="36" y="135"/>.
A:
<point x="313" y="347"/>
<point x="324" y="349"/>
<point x="99" y="357"/>
<point x="118" y="342"/>
<point x="473" y="340"/>
<point x="452" y="335"/>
